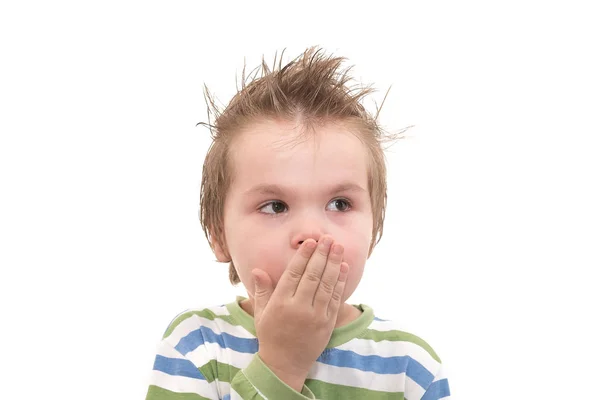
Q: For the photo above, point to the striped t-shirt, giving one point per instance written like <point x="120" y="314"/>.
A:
<point x="212" y="354"/>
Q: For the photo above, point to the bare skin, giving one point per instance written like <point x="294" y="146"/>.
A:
<point x="283" y="198"/>
<point x="295" y="320"/>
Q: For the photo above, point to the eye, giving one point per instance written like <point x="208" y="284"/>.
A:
<point x="339" y="205"/>
<point x="273" y="207"/>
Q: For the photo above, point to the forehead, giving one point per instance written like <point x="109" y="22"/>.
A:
<point x="284" y="151"/>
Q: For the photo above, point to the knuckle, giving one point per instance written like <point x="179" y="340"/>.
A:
<point x="326" y="287"/>
<point x="336" y="296"/>
<point x="294" y="275"/>
<point x="313" y="277"/>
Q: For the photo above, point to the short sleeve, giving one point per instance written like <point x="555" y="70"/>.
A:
<point x="439" y="387"/>
<point x="175" y="377"/>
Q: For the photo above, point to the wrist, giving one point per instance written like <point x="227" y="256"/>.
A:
<point x="289" y="374"/>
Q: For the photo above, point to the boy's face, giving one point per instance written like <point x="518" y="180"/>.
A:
<point x="287" y="189"/>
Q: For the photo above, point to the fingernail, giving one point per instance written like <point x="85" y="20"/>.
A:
<point x="311" y="244"/>
<point x="337" y="249"/>
<point x="327" y="242"/>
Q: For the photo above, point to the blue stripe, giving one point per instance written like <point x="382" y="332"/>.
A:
<point x="437" y="390"/>
<point x="419" y="373"/>
<point x="177" y="367"/>
<point x="378" y="364"/>
<point x="227" y="397"/>
<point x="197" y="338"/>
<point x="379" y="319"/>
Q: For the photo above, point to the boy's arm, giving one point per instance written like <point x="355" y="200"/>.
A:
<point x="293" y="321"/>
<point x="439" y="388"/>
<point x="176" y="377"/>
<point x="257" y="381"/>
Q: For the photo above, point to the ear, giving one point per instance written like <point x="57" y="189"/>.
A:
<point x="219" y="250"/>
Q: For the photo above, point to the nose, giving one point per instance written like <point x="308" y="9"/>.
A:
<point x="307" y="228"/>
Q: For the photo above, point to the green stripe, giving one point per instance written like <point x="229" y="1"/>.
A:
<point x="242" y="386"/>
<point x="325" y="390"/>
<point x="201" y="313"/>
<point x="399" y="336"/>
<point x="158" y="393"/>
<point x="225" y="372"/>
<point x="271" y="387"/>
<point x="241" y="316"/>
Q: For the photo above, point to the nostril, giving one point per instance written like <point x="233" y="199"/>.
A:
<point x="302" y="241"/>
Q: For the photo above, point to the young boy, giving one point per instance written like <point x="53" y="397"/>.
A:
<point x="293" y="197"/>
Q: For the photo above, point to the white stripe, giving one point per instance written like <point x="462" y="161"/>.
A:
<point x="441" y="374"/>
<point x="224" y="388"/>
<point x="200" y="356"/>
<point x="384" y="326"/>
<point x="166" y="350"/>
<point x="183" y="384"/>
<point x="218" y="310"/>
<point x="212" y="351"/>
<point x="184" y="328"/>
<point x="388" y="348"/>
<point x="218" y="326"/>
<point x="356" y="378"/>
<point x="412" y="390"/>
<point x="323" y="372"/>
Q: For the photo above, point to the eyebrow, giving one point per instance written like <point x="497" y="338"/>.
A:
<point x="277" y="190"/>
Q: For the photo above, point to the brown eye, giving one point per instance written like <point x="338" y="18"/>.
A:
<point x="273" y="207"/>
<point x="339" y="205"/>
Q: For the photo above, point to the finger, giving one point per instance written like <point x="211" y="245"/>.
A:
<point x="338" y="292"/>
<point x="288" y="283"/>
<point x="314" y="270"/>
<point x="329" y="278"/>
<point x="263" y="289"/>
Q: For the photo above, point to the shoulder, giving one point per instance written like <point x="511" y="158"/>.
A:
<point x="412" y="356"/>
<point x="382" y="330"/>
<point x="204" y="322"/>
<point x="390" y="357"/>
<point x="393" y="345"/>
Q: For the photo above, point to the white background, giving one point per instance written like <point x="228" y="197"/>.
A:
<point x="491" y="242"/>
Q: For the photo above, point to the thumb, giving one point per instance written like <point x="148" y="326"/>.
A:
<point x="263" y="288"/>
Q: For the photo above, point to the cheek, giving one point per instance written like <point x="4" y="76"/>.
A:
<point x="356" y="262"/>
<point x="252" y="255"/>
<point x="356" y="248"/>
<point x="355" y="254"/>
